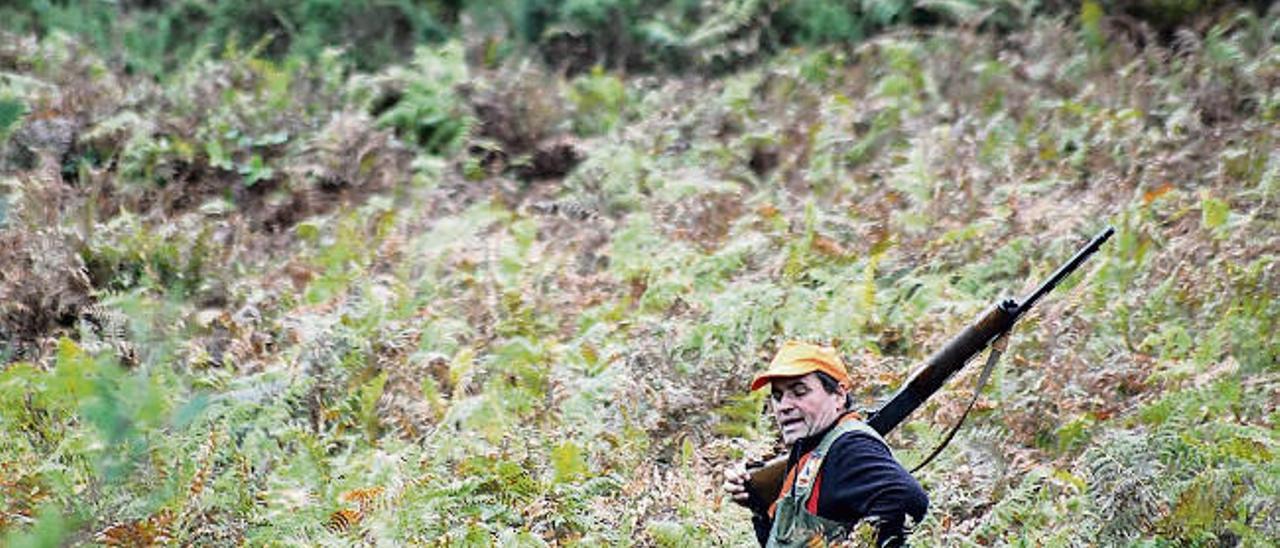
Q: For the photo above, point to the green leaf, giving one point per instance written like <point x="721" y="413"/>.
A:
<point x="270" y="139"/>
<point x="1213" y="212"/>
<point x="568" y="462"/>
<point x="73" y="375"/>
<point x="218" y="156"/>
<point x="668" y="533"/>
<point x="18" y="381"/>
<point x="50" y="530"/>
<point x="369" y="395"/>
<point x="190" y="411"/>
<point x="686" y="452"/>
<point x="1074" y="433"/>
<point x="309" y="231"/>
<point x="256" y="171"/>
<point x="1091" y="14"/>
<point x="11" y="110"/>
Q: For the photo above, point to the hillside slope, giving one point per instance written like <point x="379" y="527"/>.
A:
<point x="282" y="303"/>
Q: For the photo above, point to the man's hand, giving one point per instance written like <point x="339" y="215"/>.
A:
<point x="735" y="484"/>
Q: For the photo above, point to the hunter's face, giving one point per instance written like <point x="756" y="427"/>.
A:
<point x="803" y="407"/>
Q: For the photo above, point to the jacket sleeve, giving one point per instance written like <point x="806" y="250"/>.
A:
<point x="861" y="479"/>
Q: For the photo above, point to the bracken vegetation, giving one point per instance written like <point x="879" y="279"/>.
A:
<point x="452" y="273"/>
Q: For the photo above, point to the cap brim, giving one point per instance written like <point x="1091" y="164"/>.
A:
<point x="786" y="372"/>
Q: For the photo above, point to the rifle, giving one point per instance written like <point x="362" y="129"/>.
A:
<point x="766" y="479"/>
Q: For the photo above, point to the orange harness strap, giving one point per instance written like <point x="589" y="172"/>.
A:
<point x="787" y="483"/>
<point x="812" y="504"/>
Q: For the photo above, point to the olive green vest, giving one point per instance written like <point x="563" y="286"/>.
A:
<point x="793" y="525"/>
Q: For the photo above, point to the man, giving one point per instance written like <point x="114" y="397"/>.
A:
<point x="840" y="471"/>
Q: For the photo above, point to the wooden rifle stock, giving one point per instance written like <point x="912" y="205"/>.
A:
<point x="765" y="480"/>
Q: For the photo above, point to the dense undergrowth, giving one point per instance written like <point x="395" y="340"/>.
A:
<point x="154" y="37"/>
<point x="467" y="300"/>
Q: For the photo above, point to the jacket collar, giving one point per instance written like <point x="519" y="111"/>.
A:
<point x="807" y="444"/>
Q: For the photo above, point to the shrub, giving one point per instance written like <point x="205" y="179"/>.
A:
<point x="155" y="37"/>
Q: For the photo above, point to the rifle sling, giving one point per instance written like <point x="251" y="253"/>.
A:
<point x="997" y="348"/>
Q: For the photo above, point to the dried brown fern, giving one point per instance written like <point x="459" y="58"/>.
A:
<point x="153" y="530"/>
<point x="47" y="135"/>
<point x="402" y="404"/>
<point x="21" y="492"/>
<point x="349" y="152"/>
<point x="518" y="130"/>
<point x="43" y="287"/>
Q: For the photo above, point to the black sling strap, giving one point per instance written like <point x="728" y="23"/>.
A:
<point x="997" y="348"/>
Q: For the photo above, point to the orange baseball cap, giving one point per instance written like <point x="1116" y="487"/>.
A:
<point x="797" y="358"/>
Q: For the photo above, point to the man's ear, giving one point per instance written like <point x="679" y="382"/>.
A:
<point x="846" y="397"/>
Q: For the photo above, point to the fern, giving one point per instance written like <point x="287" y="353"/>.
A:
<point x="599" y="100"/>
<point x="423" y="107"/>
<point x="11" y="111"/>
<point x="415" y="328"/>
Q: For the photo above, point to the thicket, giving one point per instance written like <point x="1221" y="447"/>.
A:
<point x="465" y="300"/>
<point x="572" y="35"/>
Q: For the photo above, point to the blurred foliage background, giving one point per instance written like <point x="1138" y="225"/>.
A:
<point x="498" y="273"/>
<point x="153" y="37"/>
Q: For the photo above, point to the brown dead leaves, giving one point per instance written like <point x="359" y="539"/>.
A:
<point x="360" y="502"/>
<point x="517" y="131"/>
<point x="705" y="220"/>
<point x="153" y="530"/>
<point x="43" y="287"/>
<point x="21" y="494"/>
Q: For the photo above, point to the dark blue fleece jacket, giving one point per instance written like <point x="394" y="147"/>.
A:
<point x="860" y="478"/>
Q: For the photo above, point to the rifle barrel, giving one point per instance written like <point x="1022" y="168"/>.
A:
<point x="1066" y="269"/>
<point x="975" y="338"/>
